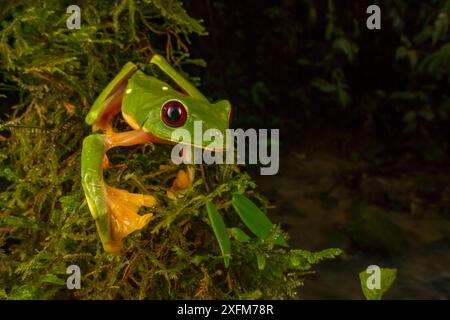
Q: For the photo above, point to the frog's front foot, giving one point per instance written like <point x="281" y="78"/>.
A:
<point x="182" y="181"/>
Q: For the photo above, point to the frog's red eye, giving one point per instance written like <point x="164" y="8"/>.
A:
<point x="174" y="113"/>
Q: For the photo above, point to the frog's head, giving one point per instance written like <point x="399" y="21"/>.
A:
<point x="185" y="113"/>
<point x="161" y="109"/>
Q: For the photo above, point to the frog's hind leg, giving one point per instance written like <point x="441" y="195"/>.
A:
<point x="115" y="211"/>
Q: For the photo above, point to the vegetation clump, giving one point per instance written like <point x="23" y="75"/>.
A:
<point x="50" y="77"/>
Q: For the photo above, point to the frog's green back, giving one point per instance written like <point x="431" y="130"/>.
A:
<point x="144" y="97"/>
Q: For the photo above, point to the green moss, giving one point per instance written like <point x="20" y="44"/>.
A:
<point x="45" y="224"/>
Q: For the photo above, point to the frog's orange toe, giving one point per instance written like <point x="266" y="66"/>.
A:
<point x="171" y="195"/>
<point x="124" y="219"/>
<point x="181" y="181"/>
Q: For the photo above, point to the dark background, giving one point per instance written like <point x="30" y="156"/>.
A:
<point x="364" y="123"/>
<point x="363" y="117"/>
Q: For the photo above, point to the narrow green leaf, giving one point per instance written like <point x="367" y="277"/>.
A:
<point x="254" y="218"/>
<point x="346" y="47"/>
<point x="253" y="295"/>
<point x="221" y="232"/>
<point x="261" y="261"/>
<point x="238" y="234"/>
<point x="53" y="279"/>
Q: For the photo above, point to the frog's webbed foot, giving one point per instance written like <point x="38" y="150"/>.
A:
<point x="122" y="212"/>
<point x="183" y="181"/>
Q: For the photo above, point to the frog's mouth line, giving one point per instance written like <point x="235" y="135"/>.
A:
<point x="155" y="139"/>
<point x="218" y="149"/>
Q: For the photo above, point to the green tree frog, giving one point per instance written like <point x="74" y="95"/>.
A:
<point x="154" y="110"/>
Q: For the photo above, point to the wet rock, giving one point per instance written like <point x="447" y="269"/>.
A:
<point x="371" y="229"/>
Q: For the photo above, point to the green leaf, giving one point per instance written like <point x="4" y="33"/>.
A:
<point x="221" y="232"/>
<point x="196" y="62"/>
<point x="324" y="86"/>
<point x="295" y="261"/>
<point x="238" y="234"/>
<point x="51" y="278"/>
<point x="302" y="259"/>
<point x="411" y="55"/>
<point x="261" y="261"/>
<point x="346" y="47"/>
<point x="369" y="282"/>
<point x="20" y="222"/>
<point x="253" y="295"/>
<point x="254" y="218"/>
